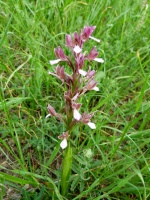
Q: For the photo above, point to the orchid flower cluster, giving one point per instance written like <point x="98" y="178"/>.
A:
<point x="76" y="84"/>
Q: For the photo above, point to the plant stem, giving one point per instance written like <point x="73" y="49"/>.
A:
<point x="66" y="169"/>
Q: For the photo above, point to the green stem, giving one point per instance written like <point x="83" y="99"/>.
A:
<point x="66" y="169"/>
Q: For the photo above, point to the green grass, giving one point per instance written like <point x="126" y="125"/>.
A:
<point x="118" y="165"/>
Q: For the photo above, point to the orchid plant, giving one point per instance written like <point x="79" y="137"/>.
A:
<point x="76" y="84"/>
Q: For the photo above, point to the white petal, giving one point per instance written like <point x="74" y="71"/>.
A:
<point x="76" y="114"/>
<point x="77" y="49"/>
<point x="63" y="144"/>
<point x="95" y="88"/>
<point x="91" y="125"/>
<point x="99" y="60"/>
<point x="82" y="72"/>
<point x="48" y="115"/>
<point x="53" y="62"/>
<point x="93" y="38"/>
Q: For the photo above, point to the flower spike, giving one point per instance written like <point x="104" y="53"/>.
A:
<point x="78" y="82"/>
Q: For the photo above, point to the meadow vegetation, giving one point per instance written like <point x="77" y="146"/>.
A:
<point x="110" y="162"/>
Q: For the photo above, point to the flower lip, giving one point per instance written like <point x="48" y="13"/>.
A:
<point x="95" y="39"/>
<point x="95" y="88"/>
<point x="48" y="115"/>
<point x="82" y="72"/>
<point x="76" y="114"/>
<point x="64" y="143"/>
<point x="53" y="62"/>
<point x="77" y="49"/>
<point x="91" y="125"/>
<point x="100" y="60"/>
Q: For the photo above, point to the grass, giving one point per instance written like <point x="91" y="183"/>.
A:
<point x="112" y="162"/>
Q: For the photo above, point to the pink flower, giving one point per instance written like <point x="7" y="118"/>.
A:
<point x="75" y="44"/>
<point x="51" y="110"/>
<point x="90" y="74"/>
<point x="60" y="55"/>
<point x="91" y="85"/>
<point x="86" y="120"/>
<point x="87" y="31"/>
<point x="92" y="54"/>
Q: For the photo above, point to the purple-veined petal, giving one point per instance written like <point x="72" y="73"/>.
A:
<point x="100" y="60"/>
<point x="95" y="88"/>
<point x="53" y="62"/>
<point x="76" y="114"/>
<point x="63" y="144"/>
<point x="95" y="39"/>
<point x="82" y="72"/>
<point x="91" y="125"/>
<point x="77" y="49"/>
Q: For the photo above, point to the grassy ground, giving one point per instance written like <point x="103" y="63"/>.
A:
<point x="112" y="162"/>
